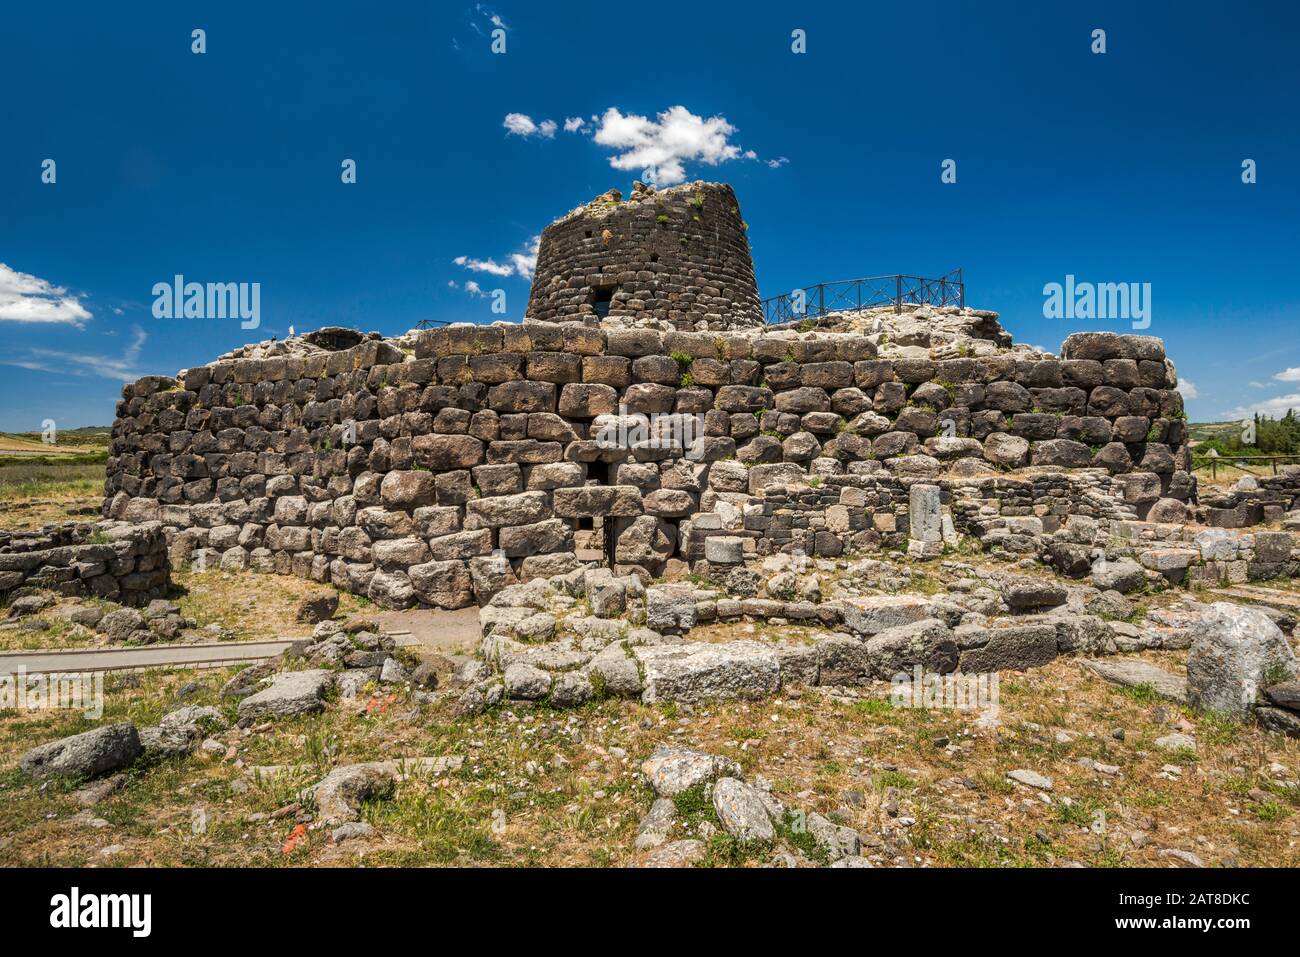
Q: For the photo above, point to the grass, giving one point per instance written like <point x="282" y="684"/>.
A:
<point x="243" y="604"/>
<point x="540" y="787"/>
<point x="36" y="479"/>
<point x="543" y="788"/>
<point x="37" y="491"/>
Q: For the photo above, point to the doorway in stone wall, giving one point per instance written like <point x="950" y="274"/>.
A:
<point x="595" y="537"/>
<point x="602" y="298"/>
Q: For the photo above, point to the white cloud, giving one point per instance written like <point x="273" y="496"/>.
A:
<point x="119" y="369"/>
<point x="1288" y="375"/>
<point x="474" y="289"/>
<point x="521" y="263"/>
<point x="27" y="298"/>
<point x="487" y="13"/>
<point x="525" y="261"/>
<point x="1187" y="388"/>
<point x="1274" y="407"/>
<point x="662" y="146"/>
<point x="521" y="124"/>
<point x="1257" y="385"/>
<point x="484" y="265"/>
<point x="656" y="149"/>
<point x="495" y="18"/>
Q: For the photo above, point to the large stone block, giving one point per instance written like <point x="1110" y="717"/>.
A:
<point x="522" y="397"/>
<point x="445" y="584"/>
<point x="1012" y="649"/>
<point x="928" y="643"/>
<point x="551" y="535"/>
<point x="85" y="755"/>
<point x="702" y="671"/>
<point x="522" y="509"/>
<point x="1235" y="652"/>
<point x="587" y="400"/>
<point x="443" y="453"/>
<point x="592" y="500"/>
<point x="407" y="489"/>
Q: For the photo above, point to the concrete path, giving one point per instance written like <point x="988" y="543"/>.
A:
<point x="207" y="655"/>
<point x="433" y="629"/>
<point x="427" y="629"/>
<point x="1274" y="598"/>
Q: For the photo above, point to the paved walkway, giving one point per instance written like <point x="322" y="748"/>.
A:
<point x="428" y="629"/>
<point x="446" y="632"/>
<point x="212" y="655"/>
<point x="1260" y="595"/>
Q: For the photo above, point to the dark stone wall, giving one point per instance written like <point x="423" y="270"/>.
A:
<point x="678" y="255"/>
<point x="441" y="476"/>
<point x="126" y="563"/>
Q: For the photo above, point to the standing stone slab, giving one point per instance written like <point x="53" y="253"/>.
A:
<point x="925" y="516"/>
<point x="1235" y="651"/>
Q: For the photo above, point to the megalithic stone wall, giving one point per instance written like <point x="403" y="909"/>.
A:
<point x="679" y="256"/>
<point x="440" y="474"/>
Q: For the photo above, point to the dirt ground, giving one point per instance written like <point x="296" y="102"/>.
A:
<point x="535" y="786"/>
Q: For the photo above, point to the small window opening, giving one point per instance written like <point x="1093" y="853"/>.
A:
<point x="603" y="296"/>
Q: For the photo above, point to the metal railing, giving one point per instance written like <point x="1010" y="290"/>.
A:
<point x="812" y="302"/>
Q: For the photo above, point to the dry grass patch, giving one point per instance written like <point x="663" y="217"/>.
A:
<point x="252" y="605"/>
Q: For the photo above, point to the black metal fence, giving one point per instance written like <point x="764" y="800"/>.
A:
<point x="812" y="302"/>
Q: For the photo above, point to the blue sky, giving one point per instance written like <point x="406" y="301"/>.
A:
<point x="225" y="166"/>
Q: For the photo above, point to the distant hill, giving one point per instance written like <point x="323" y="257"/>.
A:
<point x="87" y="445"/>
<point x="88" y="436"/>
<point x="1199" y="432"/>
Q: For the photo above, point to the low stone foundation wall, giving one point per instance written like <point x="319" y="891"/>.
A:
<point x="868" y="511"/>
<point x="587" y="633"/>
<point x="1266" y="499"/>
<point x="1182" y="554"/>
<point x="126" y="563"/>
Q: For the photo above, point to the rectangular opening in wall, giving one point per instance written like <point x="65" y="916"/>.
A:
<point x="592" y="532"/>
<point x="601" y="299"/>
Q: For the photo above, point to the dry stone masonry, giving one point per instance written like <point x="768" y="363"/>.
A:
<point x="640" y="424"/>
<point x="440" y="467"/>
<point x="633" y="478"/>
<point x="677" y="255"/>
<point x="126" y="563"/>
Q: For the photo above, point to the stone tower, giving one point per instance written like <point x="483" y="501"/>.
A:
<point x="677" y="256"/>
